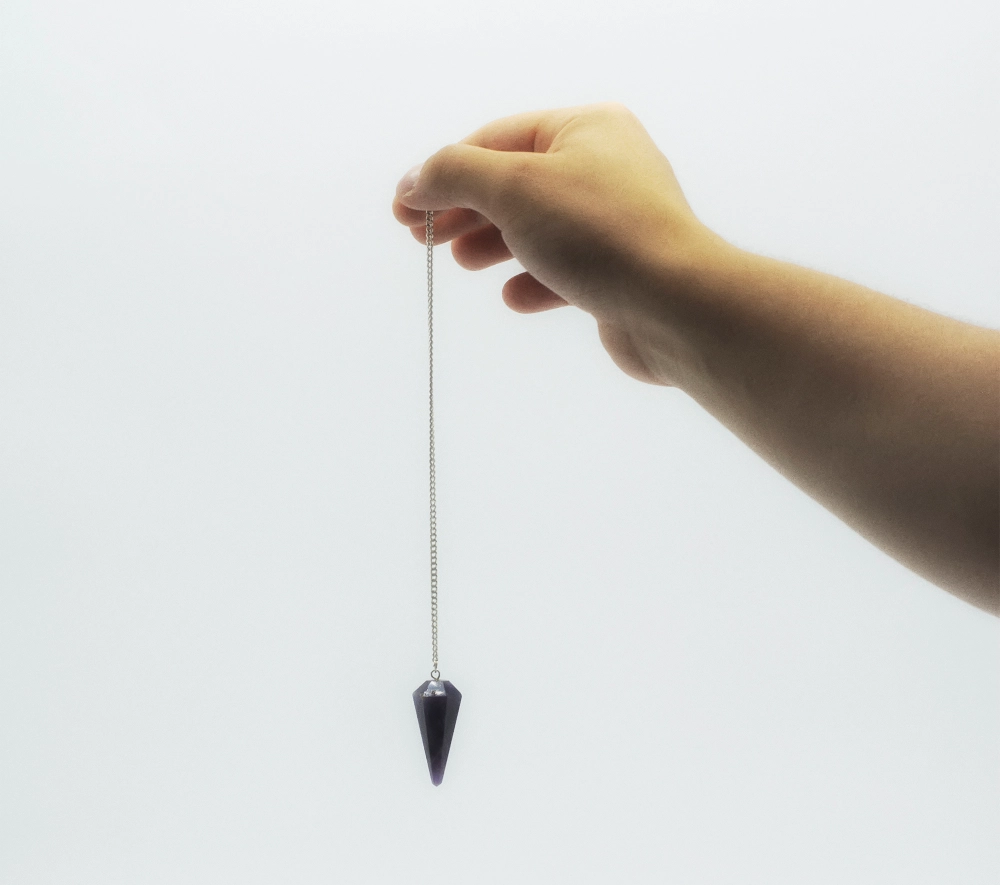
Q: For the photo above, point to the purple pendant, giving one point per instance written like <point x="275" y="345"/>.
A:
<point x="437" y="709"/>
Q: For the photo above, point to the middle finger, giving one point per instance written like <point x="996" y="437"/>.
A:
<point x="448" y="224"/>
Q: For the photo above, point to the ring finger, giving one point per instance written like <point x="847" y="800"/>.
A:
<point x="480" y="248"/>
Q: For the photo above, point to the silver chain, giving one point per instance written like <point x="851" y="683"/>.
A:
<point x="435" y="673"/>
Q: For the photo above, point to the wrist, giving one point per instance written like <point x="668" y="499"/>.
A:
<point x="674" y="302"/>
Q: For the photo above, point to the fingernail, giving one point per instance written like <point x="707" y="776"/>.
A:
<point x="409" y="181"/>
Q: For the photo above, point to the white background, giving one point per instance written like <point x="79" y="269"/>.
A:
<point x="213" y="502"/>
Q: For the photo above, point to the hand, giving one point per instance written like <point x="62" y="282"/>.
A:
<point x="582" y="198"/>
<point x="884" y="412"/>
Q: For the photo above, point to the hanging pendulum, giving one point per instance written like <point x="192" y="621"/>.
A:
<point x="437" y="700"/>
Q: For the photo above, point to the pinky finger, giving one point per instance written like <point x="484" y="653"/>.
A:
<point x="525" y="294"/>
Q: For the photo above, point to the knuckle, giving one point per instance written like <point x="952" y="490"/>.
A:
<point x="609" y="110"/>
<point x="444" y="172"/>
<point x="445" y="161"/>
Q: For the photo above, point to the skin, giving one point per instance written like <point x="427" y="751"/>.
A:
<point x="885" y="413"/>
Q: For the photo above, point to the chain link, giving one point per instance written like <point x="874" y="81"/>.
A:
<point x="435" y="673"/>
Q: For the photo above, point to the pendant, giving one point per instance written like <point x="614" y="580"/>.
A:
<point x="437" y="705"/>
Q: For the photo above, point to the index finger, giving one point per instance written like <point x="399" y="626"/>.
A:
<point x="529" y="132"/>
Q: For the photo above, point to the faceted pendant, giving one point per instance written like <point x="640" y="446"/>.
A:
<point x="437" y="709"/>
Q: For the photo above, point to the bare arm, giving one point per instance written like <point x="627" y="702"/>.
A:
<point x="887" y="414"/>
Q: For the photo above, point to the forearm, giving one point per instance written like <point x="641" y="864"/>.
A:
<point x="885" y="413"/>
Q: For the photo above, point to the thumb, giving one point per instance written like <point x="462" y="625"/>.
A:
<point x="461" y="176"/>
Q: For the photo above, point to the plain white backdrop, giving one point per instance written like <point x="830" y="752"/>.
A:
<point x="676" y="667"/>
